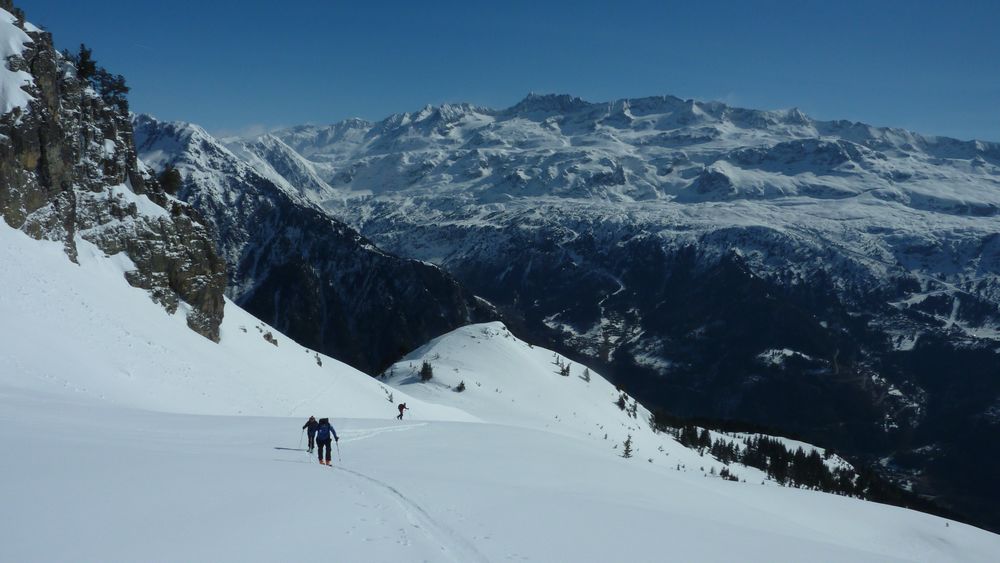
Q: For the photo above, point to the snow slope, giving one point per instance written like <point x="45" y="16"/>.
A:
<point x="127" y="485"/>
<point x="511" y="382"/>
<point x="126" y="436"/>
<point x="82" y="330"/>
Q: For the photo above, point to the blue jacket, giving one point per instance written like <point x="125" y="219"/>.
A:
<point x="324" y="430"/>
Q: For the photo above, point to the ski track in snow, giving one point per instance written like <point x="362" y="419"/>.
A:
<point x="456" y="547"/>
<point x="372" y="432"/>
<point x="453" y="545"/>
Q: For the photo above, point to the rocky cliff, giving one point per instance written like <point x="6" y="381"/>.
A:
<point x="68" y="171"/>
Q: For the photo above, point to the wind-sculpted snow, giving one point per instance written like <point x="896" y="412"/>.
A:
<point x="674" y="241"/>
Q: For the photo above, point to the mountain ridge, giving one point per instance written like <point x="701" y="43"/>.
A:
<point x="311" y="276"/>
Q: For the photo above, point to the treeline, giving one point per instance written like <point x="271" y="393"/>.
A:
<point x="665" y="419"/>
<point x="794" y="468"/>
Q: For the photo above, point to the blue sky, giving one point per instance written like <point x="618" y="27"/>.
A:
<point x="236" y="66"/>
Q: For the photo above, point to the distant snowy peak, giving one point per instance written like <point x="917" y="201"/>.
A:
<point x="200" y="156"/>
<point x="281" y="164"/>
<point x="550" y="104"/>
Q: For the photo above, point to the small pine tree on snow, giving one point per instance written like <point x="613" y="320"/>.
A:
<point x="460" y="387"/>
<point x="564" y="370"/>
<point x="621" y="402"/>
<point x="627" y="447"/>
<point x="586" y="375"/>
<point x="633" y="409"/>
<point x="426" y="371"/>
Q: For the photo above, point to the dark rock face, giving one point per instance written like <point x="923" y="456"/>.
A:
<point x="68" y="169"/>
<point x="310" y="276"/>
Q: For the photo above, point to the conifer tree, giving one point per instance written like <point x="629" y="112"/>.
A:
<point x="704" y="439"/>
<point x="86" y="66"/>
<point x="627" y="447"/>
<point x="426" y="371"/>
<point x="112" y="88"/>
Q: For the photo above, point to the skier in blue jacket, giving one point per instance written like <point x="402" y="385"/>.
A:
<point x="323" y="434"/>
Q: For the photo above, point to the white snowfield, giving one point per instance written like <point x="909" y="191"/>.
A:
<point x="127" y="437"/>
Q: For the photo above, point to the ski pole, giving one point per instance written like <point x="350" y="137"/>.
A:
<point x="338" y="451"/>
<point x="300" y="437"/>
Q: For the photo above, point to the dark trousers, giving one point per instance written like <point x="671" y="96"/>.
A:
<point x="312" y="440"/>
<point x="324" y="444"/>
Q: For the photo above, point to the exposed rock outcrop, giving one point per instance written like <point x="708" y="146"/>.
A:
<point x="68" y="170"/>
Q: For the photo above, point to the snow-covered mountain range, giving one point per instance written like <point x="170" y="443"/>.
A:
<point x="313" y="277"/>
<point x="830" y="278"/>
